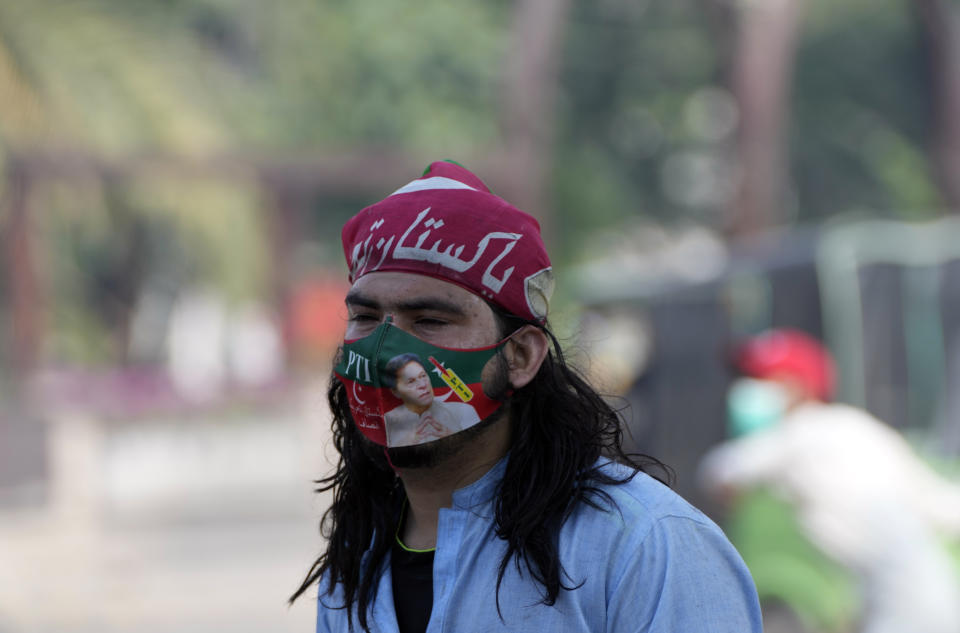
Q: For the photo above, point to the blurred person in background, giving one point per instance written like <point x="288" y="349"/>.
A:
<point x="860" y="493"/>
<point x="533" y="518"/>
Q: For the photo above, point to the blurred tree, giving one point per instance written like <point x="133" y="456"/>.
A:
<point x="643" y="124"/>
<point x="530" y="91"/>
<point x="603" y="111"/>
<point x="760" y="72"/>
<point x="861" y="98"/>
<point x="22" y="294"/>
<point x="686" y="112"/>
<point x="236" y="92"/>
<point x="940" y="20"/>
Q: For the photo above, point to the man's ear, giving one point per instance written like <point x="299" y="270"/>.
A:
<point x="525" y="352"/>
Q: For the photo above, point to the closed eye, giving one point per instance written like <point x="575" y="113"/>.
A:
<point x="361" y="324"/>
<point x="430" y="321"/>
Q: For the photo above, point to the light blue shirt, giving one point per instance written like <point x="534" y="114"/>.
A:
<point x="656" y="565"/>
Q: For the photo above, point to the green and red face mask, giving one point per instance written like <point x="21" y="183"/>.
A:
<point x="404" y="391"/>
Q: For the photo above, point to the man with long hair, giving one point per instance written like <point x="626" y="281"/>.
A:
<point x="532" y="518"/>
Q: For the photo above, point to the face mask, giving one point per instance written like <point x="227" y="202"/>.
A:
<point x="753" y="405"/>
<point x="404" y="391"/>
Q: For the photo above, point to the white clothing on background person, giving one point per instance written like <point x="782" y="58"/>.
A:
<point x="865" y="499"/>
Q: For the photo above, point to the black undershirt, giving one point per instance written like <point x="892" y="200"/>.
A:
<point x="412" y="575"/>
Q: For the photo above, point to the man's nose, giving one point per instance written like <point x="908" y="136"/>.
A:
<point x="391" y="317"/>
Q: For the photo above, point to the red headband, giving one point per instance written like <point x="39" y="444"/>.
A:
<point x="448" y="225"/>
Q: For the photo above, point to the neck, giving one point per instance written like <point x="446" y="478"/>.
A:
<point x="418" y="409"/>
<point x="429" y="489"/>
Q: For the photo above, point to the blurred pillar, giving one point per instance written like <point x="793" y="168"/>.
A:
<point x="23" y="291"/>
<point x="763" y="56"/>
<point x="940" y="20"/>
<point x="284" y="210"/>
<point x="530" y="86"/>
<point x="76" y="453"/>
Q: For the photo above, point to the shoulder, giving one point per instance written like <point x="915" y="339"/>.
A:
<point x="638" y="511"/>
<point x="448" y="404"/>
<point x="646" y="533"/>
<point x="643" y="499"/>
<point x="643" y="518"/>
<point x="459" y="408"/>
<point x="399" y="410"/>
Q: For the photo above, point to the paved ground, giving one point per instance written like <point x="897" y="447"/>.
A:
<point x="178" y="578"/>
<point x="168" y="526"/>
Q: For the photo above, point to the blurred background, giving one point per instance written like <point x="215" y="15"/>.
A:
<point x="173" y="179"/>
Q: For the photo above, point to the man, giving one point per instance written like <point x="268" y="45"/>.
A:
<point x="861" y="494"/>
<point x="532" y="518"/>
<point x="421" y="417"/>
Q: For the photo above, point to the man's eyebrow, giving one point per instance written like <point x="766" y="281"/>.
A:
<point x="359" y="299"/>
<point x="436" y="304"/>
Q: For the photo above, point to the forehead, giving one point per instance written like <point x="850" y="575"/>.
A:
<point x="413" y="368"/>
<point x="403" y="292"/>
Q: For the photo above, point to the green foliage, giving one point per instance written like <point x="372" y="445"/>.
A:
<point x="104" y="245"/>
<point x="637" y="78"/>
<point x="861" y="110"/>
<point x="201" y="75"/>
<point x="205" y="75"/>
<point x="632" y="74"/>
<point x="208" y="75"/>
<point x="216" y="77"/>
<point x="593" y="196"/>
<point x="629" y="71"/>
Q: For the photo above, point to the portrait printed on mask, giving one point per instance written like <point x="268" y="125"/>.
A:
<point x="404" y="391"/>
<point x="420" y="417"/>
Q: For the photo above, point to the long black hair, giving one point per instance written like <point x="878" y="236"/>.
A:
<point x="561" y="426"/>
